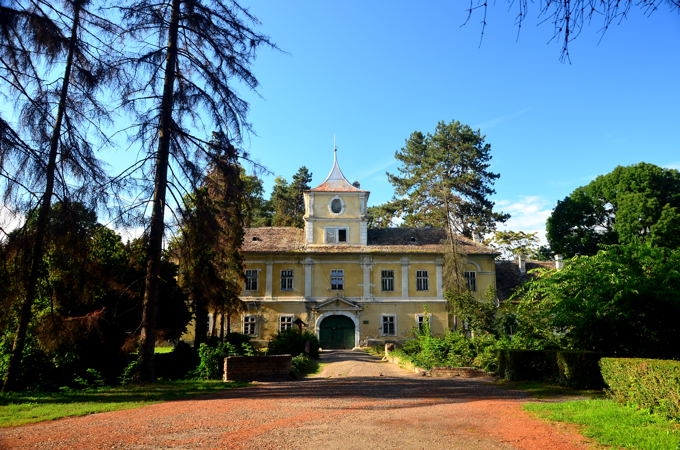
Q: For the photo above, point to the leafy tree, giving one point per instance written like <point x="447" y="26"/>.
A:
<point x="623" y="301"/>
<point x="570" y="17"/>
<point x="513" y="243"/>
<point x="638" y="203"/>
<point x="258" y="211"/>
<point x="52" y="153"/>
<point x="287" y="200"/>
<point x="444" y="181"/>
<point x="189" y="54"/>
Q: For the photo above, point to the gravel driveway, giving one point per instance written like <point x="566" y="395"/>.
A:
<point x="356" y="402"/>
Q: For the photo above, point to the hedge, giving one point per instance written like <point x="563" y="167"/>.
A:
<point x="650" y="384"/>
<point x="576" y="369"/>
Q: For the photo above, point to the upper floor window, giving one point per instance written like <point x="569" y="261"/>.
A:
<point x="287" y="280"/>
<point x="471" y="280"/>
<point x="336" y="235"/>
<point x="336" y="206"/>
<point x="422" y="280"/>
<point x="285" y="323"/>
<point x="389" y="325"/>
<point x="387" y="280"/>
<point x="337" y="279"/>
<point x="250" y="325"/>
<point x="251" y="280"/>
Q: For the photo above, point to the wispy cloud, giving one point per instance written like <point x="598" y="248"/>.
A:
<point x="528" y="213"/>
<point x="491" y="123"/>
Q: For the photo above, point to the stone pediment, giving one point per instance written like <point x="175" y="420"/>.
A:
<point x="337" y="304"/>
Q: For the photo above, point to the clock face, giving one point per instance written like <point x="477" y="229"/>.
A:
<point x="336" y="206"/>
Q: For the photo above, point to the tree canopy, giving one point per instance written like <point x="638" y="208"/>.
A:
<point x="444" y="181"/>
<point x="638" y="203"/>
<point x="625" y="300"/>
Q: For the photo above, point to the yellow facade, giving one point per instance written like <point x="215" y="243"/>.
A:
<point x="349" y="285"/>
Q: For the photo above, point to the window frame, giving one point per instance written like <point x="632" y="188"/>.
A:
<point x="286" y="322"/>
<point x="332" y="235"/>
<point x="471" y="280"/>
<point x="387" y="280"/>
<point x="287" y="280"/>
<point x="250" y="324"/>
<point x="422" y="280"/>
<point x="420" y="320"/>
<point x="388" y="324"/>
<point x="251" y="280"/>
<point x="337" y="274"/>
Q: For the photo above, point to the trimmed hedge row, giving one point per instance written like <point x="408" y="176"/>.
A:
<point x="568" y="368"/>
<point x="651" y="384"/>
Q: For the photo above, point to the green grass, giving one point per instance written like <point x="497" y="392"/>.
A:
<point x="30" y="407"/>
<point x="611" y="424"/>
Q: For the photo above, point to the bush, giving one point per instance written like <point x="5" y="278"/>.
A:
<point x="211" y="356"/>
<point x="303" y="365"/>
<point x="453" y="350"/>
<point x="568" y="368"/>
<point x="649" y="384"/>
<point x="290" y="342"/>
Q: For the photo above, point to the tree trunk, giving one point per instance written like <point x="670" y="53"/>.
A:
<point x="25" y="314"/>
<point x="157" y="227"/>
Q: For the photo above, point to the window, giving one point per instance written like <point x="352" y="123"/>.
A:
<point x="387" y="280"/>
<point x="287" y="280"/>
<point x="336" y="235"/>
<point x="285" y="323"/>
<point x="389" y="325"/>
<point x="251" y="280"/>
<point x="250" y="325"/>
<point x="422" y="280"/>
<point x="337" y="279"/>
<point x="421" y="320"/>
<point x="336" y="206"/>
<point x="471" y="279"/>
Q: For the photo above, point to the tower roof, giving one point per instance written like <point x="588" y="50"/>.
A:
<point x="336" y="181"/>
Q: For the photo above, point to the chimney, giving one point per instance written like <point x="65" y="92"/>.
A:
<point x="559" y="262"/>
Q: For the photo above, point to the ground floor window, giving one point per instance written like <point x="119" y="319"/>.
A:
<point x="285" y="323"/>
<point x="389" y="327"/>
<point x="250" y="325"/>
<point x="422" y="320"/>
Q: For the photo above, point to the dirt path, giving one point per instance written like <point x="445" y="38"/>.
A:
<point x="356" y="402"/>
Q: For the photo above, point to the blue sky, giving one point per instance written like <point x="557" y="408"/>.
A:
<point x="367" y="74"/>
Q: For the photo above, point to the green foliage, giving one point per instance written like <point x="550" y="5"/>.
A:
<point x="611" y="424"/>
<point x="211" y="357"/>
<point x="287" y="201"/>
<point x="638" y="203"/>
<point x="453" y="350"/>
<point x="303" y="365"/>
<point x="513" y="243"/>
<point x="291" y="342"/>
<point x="624" y="300"/>
<point x="571" y="369"/>
<point x="652" y="385"/>
<point x="444" y="180"/>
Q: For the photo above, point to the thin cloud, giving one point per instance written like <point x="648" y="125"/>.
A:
<point x="491" y="123"/>
<point x="529" y="214"/>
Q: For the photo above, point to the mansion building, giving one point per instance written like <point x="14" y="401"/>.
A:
<point x="350" y="285"/>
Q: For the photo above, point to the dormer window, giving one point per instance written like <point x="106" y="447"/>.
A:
<point x="337" y="205"/>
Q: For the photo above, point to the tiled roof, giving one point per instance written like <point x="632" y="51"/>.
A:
<point x="389" y="240"/>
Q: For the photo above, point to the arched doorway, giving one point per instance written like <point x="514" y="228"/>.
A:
<point x="337" y="331"/>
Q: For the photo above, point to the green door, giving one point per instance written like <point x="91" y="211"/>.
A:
<point x="336" y="332"/>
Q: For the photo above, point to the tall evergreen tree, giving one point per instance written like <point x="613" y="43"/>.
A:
<point x="444" y="181"/>
<point x="190" y="54"/>
<point x="51" y="153"/>
<point x="288" y="201"/>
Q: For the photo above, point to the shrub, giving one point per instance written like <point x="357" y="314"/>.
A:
<point x="648" y="384"/>
<point x="303" y="365"/>
<point x="211" y="356"/>
<point x="453" y="350"/>
<point x="290" y="342"/>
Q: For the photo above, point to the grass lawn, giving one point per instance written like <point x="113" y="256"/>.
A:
<point x="28" y="407"/>
<point x="611" y="424"/>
